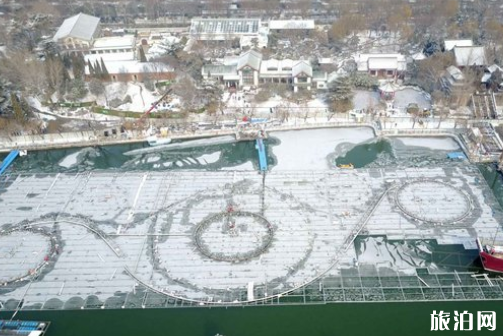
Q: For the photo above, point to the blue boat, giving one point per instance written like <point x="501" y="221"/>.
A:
<point x="457" y="156"/>
<point x="26" y="328"/>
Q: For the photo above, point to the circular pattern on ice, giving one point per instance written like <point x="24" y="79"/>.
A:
<point x="233" y="236"/>
<point x="23" y="253"/>
<point x="433" y="202"/>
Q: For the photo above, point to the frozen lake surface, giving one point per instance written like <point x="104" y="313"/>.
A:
<point x="309" y="149"/>
<point x="110" y="238"/>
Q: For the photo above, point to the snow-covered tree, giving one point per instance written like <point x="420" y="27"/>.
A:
<point x="341" y="94"/>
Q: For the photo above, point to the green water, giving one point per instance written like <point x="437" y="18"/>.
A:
<point x="367" y="319"/>
<point x="313" y="320"/>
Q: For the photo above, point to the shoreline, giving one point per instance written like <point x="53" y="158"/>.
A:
<point x="96" y="139"/>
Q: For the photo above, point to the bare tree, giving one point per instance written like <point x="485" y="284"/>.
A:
<point x="22" y="69"/>
<point x="55" y="72"/>
<point x="185" y="88"/>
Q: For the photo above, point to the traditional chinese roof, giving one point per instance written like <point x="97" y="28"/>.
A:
<point x="250" y="58"/>
<point x="302" y="67"/>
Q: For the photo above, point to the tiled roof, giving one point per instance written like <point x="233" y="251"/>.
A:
<point x="250" y="58"/>
<point x="302" y="67"/>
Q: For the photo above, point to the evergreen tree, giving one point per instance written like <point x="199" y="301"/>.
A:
<point x="341" y="94"/>
<point x="18" y="111"/>
<point x="78" y="65"/>
<point x="97" y="69"/>
<point x="104" y="70"/>
<point x="143" y="58"/>
<point x="91" y="69"/>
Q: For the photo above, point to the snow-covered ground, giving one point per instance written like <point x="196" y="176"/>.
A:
<point x="141" y="98"/>
<point x="411" y="96"/>
<point x="308" y="149"/>
<point x="236" y="102"/>
<point x="365" y="99"/>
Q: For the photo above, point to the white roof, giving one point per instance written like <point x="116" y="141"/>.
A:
<point x="388" y="87"/>
<point x="291" y="24"/>
<point x="470" y="56"/>
<point x="418" y="56"/>
<point x="381" y="61"/>
<point x="326" y="60"/>
<point x="493" y="68"/>
<point x="110" y="57"/>
<point x="377" y="63"/>
<point x="250" y="58"/>
<point x="486" y="78"/>
<point x="114" y="42"/>
<point x="302" y="67"/>
<point x="455" y="73"/>
<point x="124" y="67"/>
<point x="281" y="66"/>
<point x="450" y="44"/>
<point x="81" y="26"/>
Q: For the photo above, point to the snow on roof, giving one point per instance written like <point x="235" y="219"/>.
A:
<point x="110" y="57"/>
<point x="485" y="78"/>
<point x="291" y="24"/>
<point x="325" y="60"/>
<point x="470" y="56"/>
<point x="134" y="66"/>
<point x="81" y="26"/>
<point x="451" y="44"/>
<point x="114" y="42"/>
<point x="493" y="68"/>
<point x="273" y="66"/>
<point x="250" y="58"/>
<point x="418" y="56"/>
<point x="247" y="40"/>
<point x="224" y="26"/>
<point x="302" y="67"/>
<point x="218" y="70"/>
<point x="381" y="61"/>
<point x="388" y="87"/>
<point x="455" y="73"/>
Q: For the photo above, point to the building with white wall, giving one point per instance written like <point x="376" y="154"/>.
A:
<point x="391" y="66"/>
<point x="250" y="70"/>
<point x="77" y="33"/>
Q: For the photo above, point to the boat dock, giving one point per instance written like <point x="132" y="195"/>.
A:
<point x="262" y="157"/>
<point x="157" y="239"/>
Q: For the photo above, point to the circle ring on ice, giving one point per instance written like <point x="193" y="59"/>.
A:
<point x="433" y="202"/>
<point x="26" y="238"/>
<point x="246" y="234"/>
